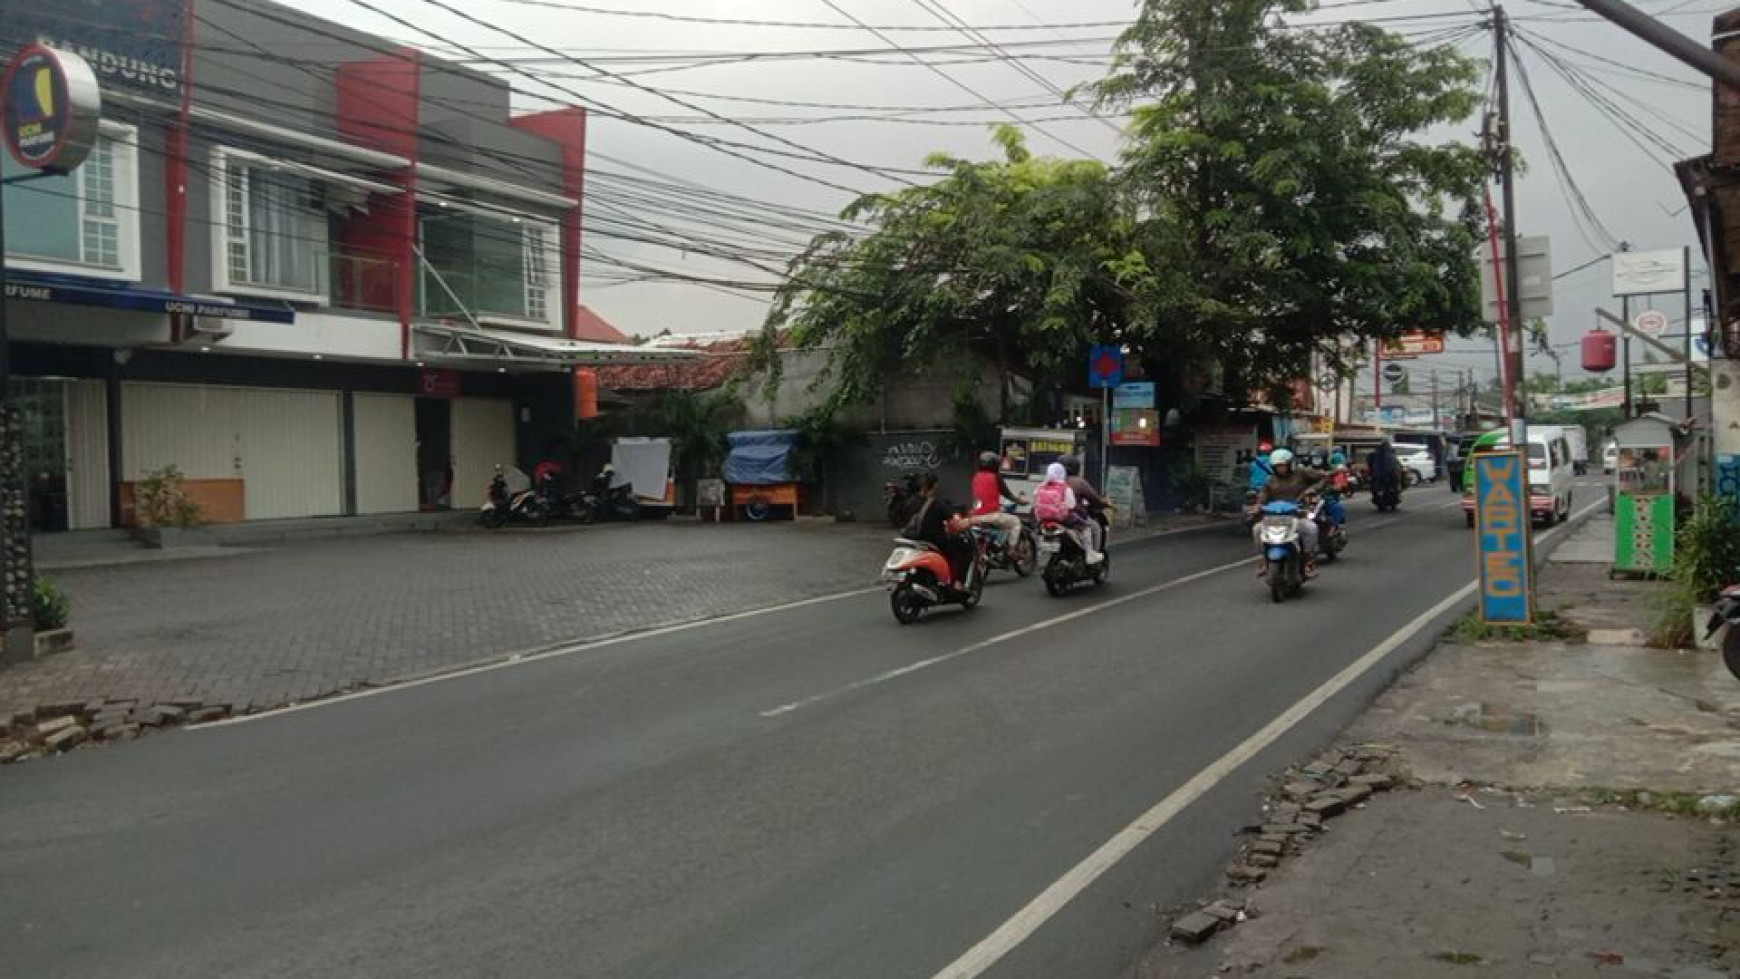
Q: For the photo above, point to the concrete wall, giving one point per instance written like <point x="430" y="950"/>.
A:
<point x="910" y="401"/>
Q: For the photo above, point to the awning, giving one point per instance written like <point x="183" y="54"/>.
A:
<point x="45" y="288"/>
<point x="505" y="348"/>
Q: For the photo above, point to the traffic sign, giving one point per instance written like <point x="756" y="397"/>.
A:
<point x="1534" y="277"/>
<point x="1395" y="373"/>
<point x="1105" y="366"/>
<point x="1652" y="322"/>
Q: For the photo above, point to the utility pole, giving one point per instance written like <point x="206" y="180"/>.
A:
<point x="1512" y="261"/>
<point x="1437" y="414"/>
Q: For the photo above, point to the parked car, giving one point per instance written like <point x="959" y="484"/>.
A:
<point x="1609" y="458"/>
<point x="1417" y="463"/>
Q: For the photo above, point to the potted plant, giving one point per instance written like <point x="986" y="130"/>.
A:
<point x="167" y="514"/>
<point x="51" y="610"/>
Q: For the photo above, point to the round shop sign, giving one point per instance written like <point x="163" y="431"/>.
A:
<point x="52" y="109"/>
<point x="1652" y="322"/>
<point x="1394" y="373"/>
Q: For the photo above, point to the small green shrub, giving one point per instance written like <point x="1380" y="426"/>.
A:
<point x="1706" y="560"/>
<point x="52" y="609"/>
<point x="1547" y="627"/>
<point x="163" y="500"/>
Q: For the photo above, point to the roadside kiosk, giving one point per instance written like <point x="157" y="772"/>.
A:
<point x="1645" y="487"/>
<point x="1027" y="451"/>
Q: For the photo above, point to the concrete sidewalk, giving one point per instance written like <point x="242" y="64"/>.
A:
<point x="1570" y="814"/>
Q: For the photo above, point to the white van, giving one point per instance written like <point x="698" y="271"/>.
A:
<point x="1550" y="473"/>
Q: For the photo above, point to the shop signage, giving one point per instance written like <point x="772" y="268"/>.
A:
<point x="1652" y="322"/>
<point x="1134" y="420"/>
<point x="1501" y="526"/>
<point x="1649" y="273"/>
<point x="436" y="383"/>
<point x="134" y="44"/>
<point x="52" y="107"/>
<point x="77" y="292"/>
<point x="1221" y="451"/>
<point x="1413" y="343"/>
<point x="1644" y="533"/>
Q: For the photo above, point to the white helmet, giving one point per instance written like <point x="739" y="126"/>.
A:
<point x="1281" y="457"/>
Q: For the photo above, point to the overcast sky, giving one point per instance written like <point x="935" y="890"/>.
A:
<point x="1624" y="176"/>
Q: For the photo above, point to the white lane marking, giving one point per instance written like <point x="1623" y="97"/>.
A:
<point x="520" y="659"/>
<point x="1021" y="926"/>
<point x="925" y="664"/>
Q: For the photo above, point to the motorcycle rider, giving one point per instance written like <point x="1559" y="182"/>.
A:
<point x="990" y="489"/>
<point x="1262" y="467"/>
<point x="1055" y="502"/>
<point x="1090" y="504"/>
<point x="931" y="525"/>
<point x="1386" y="469"/>
<point x="1290" y="484"/>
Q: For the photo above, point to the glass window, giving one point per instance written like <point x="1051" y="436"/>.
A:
<point x="85" y="221"/>
<point x="274" y="229"/>
<point x="490" y="267"/>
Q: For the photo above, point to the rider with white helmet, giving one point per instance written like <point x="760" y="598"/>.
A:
<point x="1289" y="484"/>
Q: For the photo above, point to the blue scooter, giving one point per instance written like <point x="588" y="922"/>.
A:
<point x="1279" y="534"/>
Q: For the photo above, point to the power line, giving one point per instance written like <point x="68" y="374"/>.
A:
<point x="1582" y="212"/>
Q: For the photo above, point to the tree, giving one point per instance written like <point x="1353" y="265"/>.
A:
<point x="1023" y="259"/>
<point x="696" y="423"/>
<point x="1283" y="177"/>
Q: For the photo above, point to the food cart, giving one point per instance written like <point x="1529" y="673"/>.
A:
<point x="1027" y="451"/>
<point x="1646" y="484"/>
<point x="758" y="470"/>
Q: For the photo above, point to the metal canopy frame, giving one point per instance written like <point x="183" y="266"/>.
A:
<point x="498" y="348"/>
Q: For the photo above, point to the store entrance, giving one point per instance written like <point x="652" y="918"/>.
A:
<point x="434" y="454"/>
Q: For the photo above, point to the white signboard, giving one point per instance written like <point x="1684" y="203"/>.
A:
<point x="1534" y="277"/>
<point x="1648" y="273"/>
<point x="1221" y="451"/>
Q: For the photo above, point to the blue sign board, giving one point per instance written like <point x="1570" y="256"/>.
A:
<point x="1728" y="479"/>
<point x="84" y="292"/>
<point x="1133" y="396"/>
<point x="1105" y="366"/>
<point x="134" y="44"/>
<point x="1501" y="526"/>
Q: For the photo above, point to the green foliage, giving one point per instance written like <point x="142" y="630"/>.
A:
<point x="51" y="608"/>
<point x="1285" y="185"/>
<point x="162" y="500"/>
<point x="1192" y="485"/>
<point x="1707" y="549"/>
<point x="822" y="444"/>
<point x="696" y="423"/>
<point x="1547" y="627"/>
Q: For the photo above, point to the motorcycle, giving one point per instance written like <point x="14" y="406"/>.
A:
<point x="1066" y="561"/>
<point x="1285" y="567"/>
<point x="615" y="503"/>
<point x="1020" y="555"/>
<point x="1387" y="495"/>
<point x="900" y="497"/>
<point x="511" y="498"/>
<point x="1727" y="611"/>
<point x="918" y="576"/>
<point x="1331" y="535"/>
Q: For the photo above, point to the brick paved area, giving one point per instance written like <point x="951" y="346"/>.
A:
<point x="297" y="621"/>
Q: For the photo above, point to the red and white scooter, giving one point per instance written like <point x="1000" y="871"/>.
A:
<point x="918" y="575"/>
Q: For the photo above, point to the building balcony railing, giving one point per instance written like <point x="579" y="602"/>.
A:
<point x="364" y="281"/>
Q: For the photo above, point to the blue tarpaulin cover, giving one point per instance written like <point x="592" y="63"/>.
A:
<point x="760" y="458"/>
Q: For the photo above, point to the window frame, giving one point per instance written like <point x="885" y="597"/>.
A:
<point x="224" y="159"/>
<point x="531" y="226"/>
<point x="123" y="140"/>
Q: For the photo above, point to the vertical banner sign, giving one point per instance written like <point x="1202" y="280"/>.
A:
<point x="1502" y="528"/>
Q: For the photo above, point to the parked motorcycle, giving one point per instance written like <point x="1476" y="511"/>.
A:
<point x="511" y="497"/>
<point x="616" y="503"/>
<point x="900" y="498"/>
<point x="1727" y="612"/>
<point x="1065" y="560"/>
<point x="1020" y="555"/>
<point x="919" y="578"/>
<point x="1285" y="568"/>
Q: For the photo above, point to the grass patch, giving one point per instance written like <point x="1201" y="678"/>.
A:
<point x="1303" y="954"/>
<point x="1459" y="958"/>
<point x="1671" y="803"/>
<point x="1547" y="627"/>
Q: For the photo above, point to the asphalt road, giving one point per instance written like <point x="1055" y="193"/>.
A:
<point x="814" y="791"/>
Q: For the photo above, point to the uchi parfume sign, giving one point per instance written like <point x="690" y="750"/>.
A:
<point x="52" y="107"/>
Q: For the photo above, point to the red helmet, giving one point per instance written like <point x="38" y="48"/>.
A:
<point x="1266" y="447"/>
